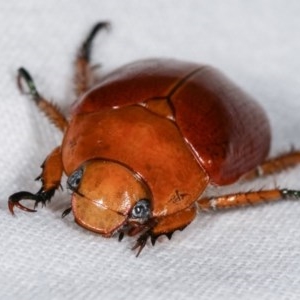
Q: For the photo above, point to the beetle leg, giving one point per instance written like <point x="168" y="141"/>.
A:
<point x="146" y="230"/>
<point x="83" y="70"/>
<point x="14" y="200"/>
<point x="275" y="165"/>
<point x="50" y="177"/>
<point x="249" y="198"/>
<point x="40" y="197"/>
<point x="51" y="111"/>
<point x="166" y="225"/>
<point x="141" y="242"/>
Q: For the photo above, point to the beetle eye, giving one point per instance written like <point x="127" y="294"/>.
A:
<point x="141" y="210"/>
<point x="74" y="180"/>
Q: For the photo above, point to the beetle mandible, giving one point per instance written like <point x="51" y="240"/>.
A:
<point x="144" y="142"/>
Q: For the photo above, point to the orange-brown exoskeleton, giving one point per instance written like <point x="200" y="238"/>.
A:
<point x="144" y="142"/>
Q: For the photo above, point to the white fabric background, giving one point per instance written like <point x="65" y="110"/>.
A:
<point x="252" y="253"/>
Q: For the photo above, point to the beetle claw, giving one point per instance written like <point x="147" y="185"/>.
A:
<point x="14" y="200"/>
<point x="41" y="196"/>
<point x="141" y="242"/>
<point x="85" y="50"/>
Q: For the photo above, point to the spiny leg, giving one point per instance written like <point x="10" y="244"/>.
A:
<point x="50" y="177"/>
<point x="83" y="69"/>
<point x="275" y="165"/>
<point x="51" y="111"/>
<point x="143" y="238"/>
<point x="249" y="198"/>
<point x="145" y="231"/>
<point x="166" y="225"/>
<point x="141" y="242"/>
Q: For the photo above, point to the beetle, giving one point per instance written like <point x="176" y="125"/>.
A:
<point x="143" y="143"/>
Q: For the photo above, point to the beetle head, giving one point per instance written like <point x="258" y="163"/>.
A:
<point x="108" y="197"/>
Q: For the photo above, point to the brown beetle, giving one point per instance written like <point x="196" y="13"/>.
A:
<point x="143" y="144"/>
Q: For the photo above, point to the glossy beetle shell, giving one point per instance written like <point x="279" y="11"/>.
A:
<point x="177" y="125"/>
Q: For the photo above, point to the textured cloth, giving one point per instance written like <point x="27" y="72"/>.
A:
<point x="251" y="253"/>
